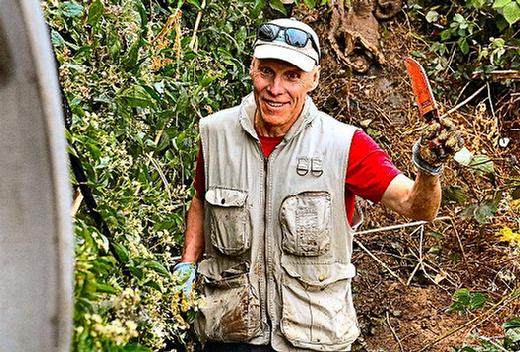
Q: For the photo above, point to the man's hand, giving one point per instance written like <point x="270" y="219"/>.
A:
<point x="186" y="275"/>
<point x="438" y="142"/>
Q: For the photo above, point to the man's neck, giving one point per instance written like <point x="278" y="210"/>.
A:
<point x="266" y="130"/>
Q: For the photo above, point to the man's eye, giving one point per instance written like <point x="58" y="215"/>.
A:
<point x="293" y="75"/>
<point x="266" y="70"/>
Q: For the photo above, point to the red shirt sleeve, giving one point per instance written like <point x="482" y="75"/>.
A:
<point x="369" y="169"/>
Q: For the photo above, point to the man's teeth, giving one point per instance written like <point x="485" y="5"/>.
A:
<point x="273" y="104"/>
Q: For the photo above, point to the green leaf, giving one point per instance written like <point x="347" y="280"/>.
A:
<point x="463" y="45"/>
<point x="511" y="13"/>
<point x="122" y="253"/>
<point x="512" y="323"/>
<point x="478" y="300"/>
<point x="195" y="3"/>
<point x="484" y="212"/>
<point x="278" y="6"/>
<point x="153" y="284"/>
<point x="259" y="5"/>
<point x="478" y="3"/>
<point x="157" y="267"/>
<point x="500" y="3"/>
<point x="516" y="193"/>
<point x="137" y="96"/>
<point x="142" y="13"/>
<point x="458" y="18"/>
<point x="310" y="3"/>
<point x="454" y="193"/>
<point x="445" y="34"/>
<point x="432" y="16"/>
<point x="71" y="9"/>
<point x="95" y="12"/>
<point x="105" y="288"/>
<point x="482" y="163"/>
<point x="57" y="39"/>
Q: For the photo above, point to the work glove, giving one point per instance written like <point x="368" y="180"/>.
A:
<point x="185" y="273"/>
<point x="439" y="141"/>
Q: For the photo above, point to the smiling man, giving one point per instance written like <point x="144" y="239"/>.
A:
<point x="274" y="207"/>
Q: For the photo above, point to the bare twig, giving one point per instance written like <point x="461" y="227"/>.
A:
<point x="493" y="343"/>
<point x="467" y="100"/>
<point x="394" y="333"/>
<point x="499" y="74"/>
<point x="379" y="261"/>
<point x="401" y="226"/>
<point x="193" y="42"/>
<point x="459" y="241"/>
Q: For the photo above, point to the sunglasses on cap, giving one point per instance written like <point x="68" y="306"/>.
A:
<point x="296" y="37"/>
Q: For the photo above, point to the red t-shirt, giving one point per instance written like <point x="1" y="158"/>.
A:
<point x="369" y="169"/>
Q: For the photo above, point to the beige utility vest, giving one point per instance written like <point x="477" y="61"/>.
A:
<point x="278" y="243"/>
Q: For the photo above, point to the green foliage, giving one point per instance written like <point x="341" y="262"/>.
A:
<point x="464" y="301"/>
<point x="466" y="37"/>
<point x="510" y="341"/>
<point x="138" y="76"/>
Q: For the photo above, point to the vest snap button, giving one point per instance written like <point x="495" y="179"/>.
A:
<point x="223" y="201"/>
<point x="322" y="277"/>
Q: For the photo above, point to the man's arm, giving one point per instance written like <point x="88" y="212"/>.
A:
<point x="194" y="236"/>
<point x="419" y="200"/>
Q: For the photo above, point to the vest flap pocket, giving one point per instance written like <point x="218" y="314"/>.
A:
<point x="229" y="220"/>
<point x="305" y="222"/>
<point x="226" y="197"/>
<point x="231" y="308"/>
<point x="317" y="309"/>
<point x="318" y="275"/>
<point x="223" y="272"/>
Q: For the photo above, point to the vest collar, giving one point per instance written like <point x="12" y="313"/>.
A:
<point x="248" y="110"/>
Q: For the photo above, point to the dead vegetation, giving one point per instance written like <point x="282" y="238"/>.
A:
<point x="431" y="261"/>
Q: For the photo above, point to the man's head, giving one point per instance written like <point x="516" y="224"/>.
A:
<point x="285" y="68"/>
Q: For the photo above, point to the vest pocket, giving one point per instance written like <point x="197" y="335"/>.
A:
<point x="229" y="220"/>
<point x="305" y="222"/>
<point x="317" y="309"/>
<point x="231" y="309"/>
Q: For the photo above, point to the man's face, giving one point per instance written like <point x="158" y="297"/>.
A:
<point x="280" y="89"/>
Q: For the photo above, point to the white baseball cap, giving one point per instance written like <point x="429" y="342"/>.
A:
<point x="305" y="57"/>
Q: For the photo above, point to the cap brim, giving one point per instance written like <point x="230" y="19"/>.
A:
<point x="278" y="52"/>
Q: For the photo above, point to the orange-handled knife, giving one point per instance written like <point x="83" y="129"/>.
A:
<point x="425" y="100"/>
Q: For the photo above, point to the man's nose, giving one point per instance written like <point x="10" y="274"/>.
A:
<point x="277" y="86"/>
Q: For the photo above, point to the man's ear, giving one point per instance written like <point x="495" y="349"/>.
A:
<point x="252" y="65"/>
<point x="315" y="77"/>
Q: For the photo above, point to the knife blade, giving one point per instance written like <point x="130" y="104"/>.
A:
<point x="422" y="90"/>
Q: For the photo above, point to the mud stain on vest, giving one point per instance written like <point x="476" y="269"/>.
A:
<point x="242" y="320"/>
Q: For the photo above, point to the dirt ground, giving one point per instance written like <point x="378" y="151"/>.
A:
<point x="411" y="313"/>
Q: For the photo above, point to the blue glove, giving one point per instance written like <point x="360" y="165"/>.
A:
<point x="186" y="275"/>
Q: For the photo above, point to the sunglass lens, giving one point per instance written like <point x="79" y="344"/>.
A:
<point x="267" y="32"/>
<point x="296" y="37"/>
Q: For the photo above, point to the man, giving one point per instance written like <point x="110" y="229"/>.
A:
<point x="276" y="181"/>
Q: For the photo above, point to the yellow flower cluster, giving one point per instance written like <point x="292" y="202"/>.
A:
<point x="127" y="303"/>
<point x="117" y="331"/>
<point x="506" y="234"/>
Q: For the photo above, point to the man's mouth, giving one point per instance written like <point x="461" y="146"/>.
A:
<point x="274" y="104"/>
